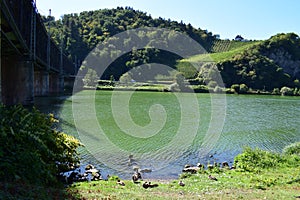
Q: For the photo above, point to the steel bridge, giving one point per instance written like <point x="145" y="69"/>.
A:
<point x="31" y="63"/>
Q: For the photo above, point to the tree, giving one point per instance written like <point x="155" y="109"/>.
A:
<point x="286" y="91"/>
<point x="126" y="78"/>
<point x="91" y="78"/>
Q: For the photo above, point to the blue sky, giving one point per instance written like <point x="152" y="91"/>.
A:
<point x="253" y="19"/>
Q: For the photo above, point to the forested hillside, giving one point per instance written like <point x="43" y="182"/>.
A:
<point x="263" y="65"/>
<point x="80" y="33"/>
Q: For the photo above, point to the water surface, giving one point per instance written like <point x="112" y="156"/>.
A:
<point x="266" y="122"/>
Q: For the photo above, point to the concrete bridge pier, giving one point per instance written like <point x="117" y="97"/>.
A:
<point x="41" y="82"/>
<point x="54" y="84"/>
<point x="17" y="80"/>
<point x="61" y="85"/>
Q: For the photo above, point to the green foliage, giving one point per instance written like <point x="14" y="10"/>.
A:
<point x="179" y="78"/>
<point x="30" y="149"/>
<point x="254" y="63"/>
<point x="188" y="70"/>
<point x="212" y="84"/>
<point x="235" y="88"/>
<point x="286" y="91"/>
<point x="243" y="89"/>
<point x="276" y="91"/>
<point x="293" y="149"/>
<point x="80" y="33"/>
<point x="256" y="159"/>
<point x="126" y="79"/>
<point x="91" y="78"/>
<point x="251" y="63"/>
<point x="289" y="42"/>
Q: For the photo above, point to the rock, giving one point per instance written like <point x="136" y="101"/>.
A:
<point x="89" y="166"/>
<point x="200" y="165"/>
<point x="96" y="177"/>
<point x="187" y="166"/>
<point x="192" y="170"/>
<point x="92" y="170"/>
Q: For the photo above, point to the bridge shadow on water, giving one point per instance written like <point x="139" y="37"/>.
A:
<point x="50" y="104"/>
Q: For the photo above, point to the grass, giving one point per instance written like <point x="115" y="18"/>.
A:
<point x="283" y="183"/>
<point x="280" y="180"/>
<point x="234" y="48"/>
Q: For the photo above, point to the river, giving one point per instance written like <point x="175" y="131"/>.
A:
<point x="266" y="122"/>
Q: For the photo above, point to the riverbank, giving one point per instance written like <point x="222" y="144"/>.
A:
<point x="257" y="175"/>
<point x="230" y="184"/>
<point x="235" y="89"/>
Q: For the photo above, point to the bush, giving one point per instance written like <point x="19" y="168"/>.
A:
<point x="243" y="89"/>
<point x="31" y="150"/>
<point x="256" y="159"/>
<point x="235" y="88"/>
<point x="293" y="149"/>
<point x="276" y="91"/>
<point x="286" y="91"/>
<point x="212" y="84"/>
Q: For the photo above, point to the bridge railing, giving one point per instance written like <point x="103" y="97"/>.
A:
<point x="23" y="12"/>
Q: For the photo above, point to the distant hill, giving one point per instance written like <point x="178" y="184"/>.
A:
<point x="263" y="65"/>
<point x="82" y="32"/>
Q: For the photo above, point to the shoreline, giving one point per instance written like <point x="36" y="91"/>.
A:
<point x="188" y="90"/>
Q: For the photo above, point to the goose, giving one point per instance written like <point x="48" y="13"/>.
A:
<point x="136" y="176"/>
<point x="212" y="178"/>
<point x="120" y="183"/>
<point x="181" y="183"/>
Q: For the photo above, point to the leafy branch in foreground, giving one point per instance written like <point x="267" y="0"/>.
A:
<point x="31" y="150"/>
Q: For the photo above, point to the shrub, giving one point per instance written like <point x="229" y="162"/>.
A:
<point x="286" y="91"/>
<point x="235" y="88"/>
<point x="212" y="84"/>
<point x="243" y="89"/>
<point x="31" y="150"/>
<point x="293" y="149"/>
<point x="256" y="159"/>
<point x="276" y="91"/>
<point x="218" y="89"/>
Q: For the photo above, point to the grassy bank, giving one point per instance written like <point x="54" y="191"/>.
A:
<point x="231" y="184"/>
<point x="258" y="175"/>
